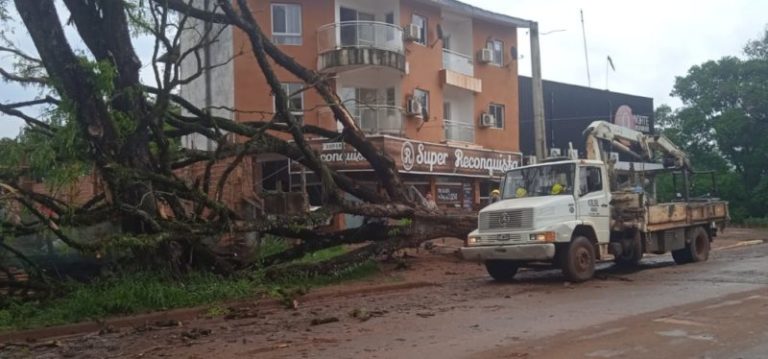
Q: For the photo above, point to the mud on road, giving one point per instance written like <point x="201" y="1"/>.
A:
<point x="462" y="313"/>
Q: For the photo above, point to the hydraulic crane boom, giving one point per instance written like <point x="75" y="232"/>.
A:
<point x="634" y="143"/>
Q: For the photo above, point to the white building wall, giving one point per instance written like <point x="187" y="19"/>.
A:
<point x="222" y="93"/>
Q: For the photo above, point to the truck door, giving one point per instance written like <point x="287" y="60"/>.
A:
<point x="594" y="201"/>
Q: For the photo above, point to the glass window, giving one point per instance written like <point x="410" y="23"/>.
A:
<point x="286" y="24"/>
<point x="423" y="97"/>
<point x="498" y="114"/>
<point x="420" y="21"/>
<point x="497" y="47"/>
<point x="548" y="180"/>
<point x="590" y="180"/>
<point x="296" y="99"/>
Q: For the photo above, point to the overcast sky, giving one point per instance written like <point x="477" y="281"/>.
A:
<point x="650" y="42"/>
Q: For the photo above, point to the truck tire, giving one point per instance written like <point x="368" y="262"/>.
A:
<point x="578" y="261"/>
<point x="500" y="270"/>
<point x="697" y="248"/>
<point x="632" y="253"/>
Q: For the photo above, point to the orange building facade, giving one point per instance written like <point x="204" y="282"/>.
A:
<point x="434" y="83"/>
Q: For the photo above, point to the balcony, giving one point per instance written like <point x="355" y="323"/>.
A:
<point x="458" y="62"/>
<point x="378" y="119"/>
<point x="459" y="71"/>
<point x="351" y="44"/>
<point x="459" y="131"/>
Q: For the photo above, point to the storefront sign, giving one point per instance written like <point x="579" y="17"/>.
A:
<point x="448" y="194"/>
<point x="624" y="117"/>
<point x="422" y="157"/>
<point x="432" y="158"/>
<point x="333" y="146"/>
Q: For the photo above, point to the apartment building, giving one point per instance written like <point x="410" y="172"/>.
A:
<point x="434" y="83"/>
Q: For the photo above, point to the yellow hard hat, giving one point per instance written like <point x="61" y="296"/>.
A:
<point x="557" y="188"/>
<point x="496" y="192"/>
<point x="520" y="192"/>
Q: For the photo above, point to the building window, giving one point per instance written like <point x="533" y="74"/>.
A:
<point x="286" y="24"/>
<point x="423" y="97"/>
<point x="295" y="100"/>
<point x="497" y="48"/>
<point x="421" y="22"/>
<point x="498" y="115"/>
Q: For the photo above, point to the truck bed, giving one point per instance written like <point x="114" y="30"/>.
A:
<point x="629" y="212"/>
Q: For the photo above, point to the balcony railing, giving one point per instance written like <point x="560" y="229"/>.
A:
<point x="378" y="119"/>
<point x="458" y="62"/>
<point x="371" y="34"/>
<point x="459" y="131"/>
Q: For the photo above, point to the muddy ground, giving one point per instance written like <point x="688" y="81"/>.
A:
<point x="451" y="309"/>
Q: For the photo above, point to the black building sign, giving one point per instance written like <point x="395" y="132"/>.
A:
<point x="569" y="109"/>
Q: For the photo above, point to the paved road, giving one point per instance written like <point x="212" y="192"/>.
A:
<point x="716" y="309"/>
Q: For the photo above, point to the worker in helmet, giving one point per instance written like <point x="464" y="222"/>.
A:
<point x="557" y="188"/>
<point x="495" y="195"/>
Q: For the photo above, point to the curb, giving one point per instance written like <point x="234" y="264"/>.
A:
<point x="741" y="244"/>
<point x="186" y="314"/>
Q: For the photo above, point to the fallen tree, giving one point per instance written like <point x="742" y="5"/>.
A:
<point x="96" y="115"/>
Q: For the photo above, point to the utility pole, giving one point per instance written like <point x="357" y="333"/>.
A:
<point x="539" y="130"/>
<point x="586" y="55"/>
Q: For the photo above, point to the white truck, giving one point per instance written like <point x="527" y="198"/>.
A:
<point x="570" y="213"/>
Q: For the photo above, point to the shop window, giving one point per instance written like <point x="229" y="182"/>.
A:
<point x="275" y="176"/>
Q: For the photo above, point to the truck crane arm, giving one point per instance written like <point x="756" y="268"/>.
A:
<point x="634" y="143"/>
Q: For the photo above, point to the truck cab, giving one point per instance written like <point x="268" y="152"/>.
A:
<point x="555" y="212"/>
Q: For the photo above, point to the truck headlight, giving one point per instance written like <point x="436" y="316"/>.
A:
<point x="544" y="236"/>
<point x="472" y="240"/>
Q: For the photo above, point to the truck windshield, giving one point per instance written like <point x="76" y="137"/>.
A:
<point x="539" y="181"/>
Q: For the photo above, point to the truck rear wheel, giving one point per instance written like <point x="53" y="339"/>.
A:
<point x="578" y="261"/>
<point x="697" y="248"/>
<point x="500" y="270"/>
<point x="631" y="251"/>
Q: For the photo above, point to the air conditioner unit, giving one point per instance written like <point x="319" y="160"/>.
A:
<point x="485" y="56"/>
<point x="414" y="108"/>
<point x="555" y="152"/>
<point x="412" y="32"/>
<point x="487" y="120"/>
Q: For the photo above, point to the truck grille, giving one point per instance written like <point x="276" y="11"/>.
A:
<point x="508" y="219"/>
<point x="502" y="237"/>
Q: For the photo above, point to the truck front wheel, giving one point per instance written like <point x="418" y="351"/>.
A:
<point x="502" y="271"/>
<point x="578" y="261"/>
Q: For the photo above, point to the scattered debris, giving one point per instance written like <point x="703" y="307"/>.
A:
<point x="168" y="323"/>
<point x="196" y="333"/>
<point x="425" y="314"/>
<point x="326" y="320"/>
<point x="363" y="314"/>
<point x="108" y="329"/>
<point x="241" y="313"/>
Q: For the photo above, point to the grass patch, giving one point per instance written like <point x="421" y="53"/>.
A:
<point x="145" y="292"/>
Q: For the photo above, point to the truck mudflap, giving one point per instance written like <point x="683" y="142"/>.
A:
<point x="515" y="252"/>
